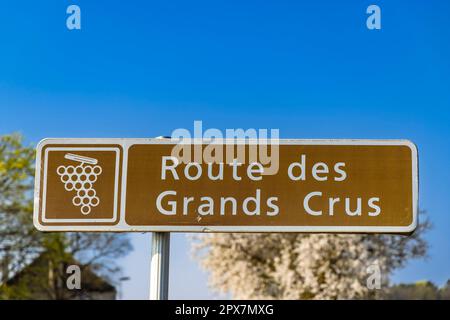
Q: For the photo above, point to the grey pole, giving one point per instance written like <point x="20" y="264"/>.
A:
<point x="159" y="273"/>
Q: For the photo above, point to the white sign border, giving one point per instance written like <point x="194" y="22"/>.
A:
<point x="122" y="226"/>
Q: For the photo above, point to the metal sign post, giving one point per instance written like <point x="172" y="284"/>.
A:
<point x="159" y="266"/>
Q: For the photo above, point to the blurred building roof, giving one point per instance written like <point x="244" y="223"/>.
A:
<point x="45" y="279"/>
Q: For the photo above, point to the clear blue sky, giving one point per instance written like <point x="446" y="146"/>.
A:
<point x="310" y="68"/>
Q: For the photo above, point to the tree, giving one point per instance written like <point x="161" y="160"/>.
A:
<point x="421" y="290"/>
<point x="20" y="242"/>
<point x="444" y="292"/>
<point x="304" y="266"/>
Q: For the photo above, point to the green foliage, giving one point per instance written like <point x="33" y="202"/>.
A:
<point x="18" y="237"/>
<point x="16" y="175"/>
<point x="421" y="290"/>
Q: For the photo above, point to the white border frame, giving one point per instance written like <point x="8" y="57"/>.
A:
<point x="122" y="226"/>
<point x="116" y="185"/>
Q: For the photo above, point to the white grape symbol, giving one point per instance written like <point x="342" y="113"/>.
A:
<point x="80" y="179"/>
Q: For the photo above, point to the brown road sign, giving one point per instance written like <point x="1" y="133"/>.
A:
<point x="156" y="185"/>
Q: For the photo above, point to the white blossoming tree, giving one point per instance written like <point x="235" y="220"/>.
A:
<point x="304" y="266"/>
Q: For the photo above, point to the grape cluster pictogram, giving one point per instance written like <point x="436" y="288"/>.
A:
<point x="81" y="178"/>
